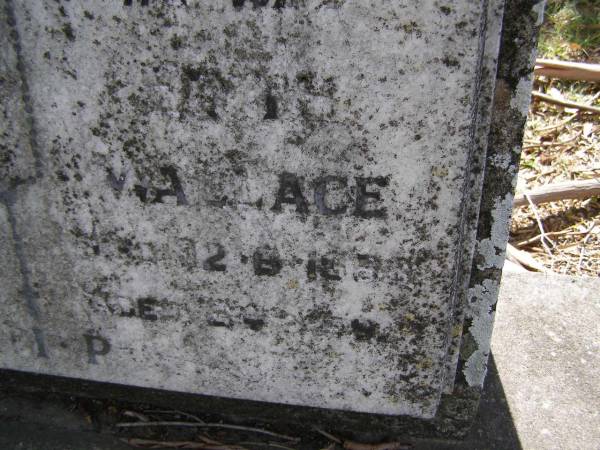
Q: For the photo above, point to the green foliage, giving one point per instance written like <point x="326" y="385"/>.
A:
<point x="529" y="163"/>
<point x="571" y="28"/>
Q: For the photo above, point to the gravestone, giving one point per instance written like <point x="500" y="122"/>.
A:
<point x="272" y="201"/>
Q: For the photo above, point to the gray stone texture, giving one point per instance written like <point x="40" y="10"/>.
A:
<point x="264" y="200"/>
<point x="546" y="346"/>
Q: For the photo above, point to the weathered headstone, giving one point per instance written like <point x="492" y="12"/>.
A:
<point x="260" y="200"/>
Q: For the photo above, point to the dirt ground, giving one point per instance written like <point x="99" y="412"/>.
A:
<point x="562" y="144"/>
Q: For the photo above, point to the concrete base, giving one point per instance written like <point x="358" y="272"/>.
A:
<point x="546" y="346"/>
<point x="542" y="389"/>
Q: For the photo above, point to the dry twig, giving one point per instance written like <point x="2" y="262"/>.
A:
<point x="136" y="415"/>
<point x="181" y="413"/>
<point x="551" y="144"/>
<point x="351" y="445"/>
<point x="524" y="259"/>
<point x="544" y="239"/>
<point x="206" y="444"/>
<point x="536" y="238"/>
<point x="565" y="103"/>
<point x="582" y="246"/>
<point x="557" y="125"/>
<point x="268" y="444"/>
<point x="566" y="70"/>
<point x="577" y="189"/>
<point x="205" y="425"/>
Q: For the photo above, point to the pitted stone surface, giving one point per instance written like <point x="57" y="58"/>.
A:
<point x="267" y="200"/>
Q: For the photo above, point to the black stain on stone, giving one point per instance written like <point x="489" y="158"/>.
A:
<point x="326" y="267"/>
<point x="219" y="323"/>
<point x="364" y="330"/>
<point x="130" y="2"/>
<point x="270" y="107"/>
<point x="311" y="269"/>
<point x="192" y="73"/>
<point x="176" y="42"/>
<point x="279" y="4"/>
<point x="259" y="3"/>
<point x="239" y="4"/>
<point x="306" y="78"/>
<point x="67" y="29"/>
<point x="450" y="62"/>
<point x="207" y="86"/>
<point x="125" y="247"/>
<point x="328" y="270"/>
<point x="413" y="28"/>
<point x="368" y="268"/>
<point x="254" y="324"/>
<point x="461" y="25"/>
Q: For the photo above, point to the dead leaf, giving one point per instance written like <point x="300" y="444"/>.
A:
<point x="546" y="159"/>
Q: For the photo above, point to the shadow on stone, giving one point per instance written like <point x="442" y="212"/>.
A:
<point x="493" y="429"/>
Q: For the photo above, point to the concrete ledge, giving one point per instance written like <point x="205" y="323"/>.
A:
<point x="546" y="346"/>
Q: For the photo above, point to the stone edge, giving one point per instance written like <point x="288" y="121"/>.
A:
<point x="521" y="24"/>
